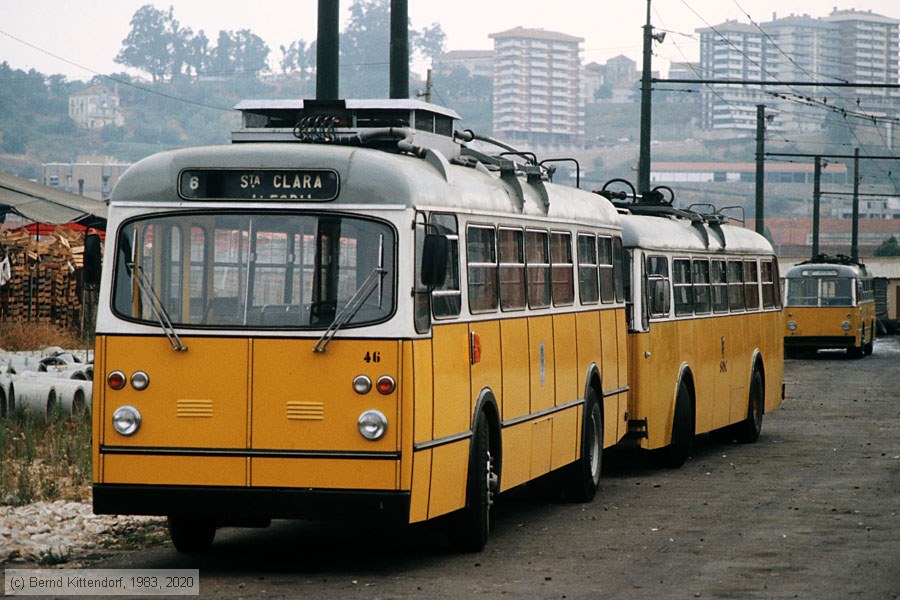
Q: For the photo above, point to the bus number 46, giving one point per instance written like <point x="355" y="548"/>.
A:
<point x="371" y="357"/>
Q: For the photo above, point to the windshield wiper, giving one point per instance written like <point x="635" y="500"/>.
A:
<point x="157" y="307"/>
<point x="351" y="308"/>
<point x="356" y="300"/>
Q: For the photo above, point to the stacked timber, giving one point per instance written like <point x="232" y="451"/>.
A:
<point x="42" y="281"/>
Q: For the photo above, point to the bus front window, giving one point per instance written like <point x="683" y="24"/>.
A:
<point x="252" y="271"/>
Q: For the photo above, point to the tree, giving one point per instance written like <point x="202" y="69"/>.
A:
<point x="429" y="41"/>
<point x="888" y="247"/>
<point x="146" y="46"/>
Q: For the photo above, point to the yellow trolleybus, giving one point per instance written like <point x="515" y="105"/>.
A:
<point x="704" y="312"/>
<point x="830" y="303"/>
<point x="349" y="311"/>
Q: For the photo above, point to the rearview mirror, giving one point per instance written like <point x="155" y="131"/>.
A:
<point x="434" y="259"/>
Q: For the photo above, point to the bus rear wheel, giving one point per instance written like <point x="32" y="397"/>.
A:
<point x="469" y="531"/>
<point x="191" y="535"/>
<point x="583" y="476"/>
<point x="748" y="430"/>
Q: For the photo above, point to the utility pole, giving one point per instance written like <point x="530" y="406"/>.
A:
<point x="328" y="50"/>
<point x="760" y="167"/>
<point x="854" y="237"/>
<point x="399" y="50"/>
<point x="817" y="195"/>
<point x="644" y="159"/>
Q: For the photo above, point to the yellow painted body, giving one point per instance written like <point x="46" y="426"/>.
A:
<point x="270" y="413"/>
<point x="820" y="326"/>
<point x="716" y="354"/>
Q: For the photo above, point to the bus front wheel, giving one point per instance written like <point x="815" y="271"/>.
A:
<point x="469" y="532"/>
<point x="191" y="535"/>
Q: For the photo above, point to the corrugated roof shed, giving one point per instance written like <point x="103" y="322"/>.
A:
<point x="43" y="204"/>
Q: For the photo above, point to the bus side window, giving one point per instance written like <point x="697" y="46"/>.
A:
<point x="588" y="285"/>
<point x="751" y="285"/>
<point x="446" y="298"/>
<point x="684" y="296"/>
<point x="719" y="286"/>
<point x="701" y="286"/>
<point x="512" y="269"/>
<point x="659" y="295"/>
<point x="481" y="258"/>
<point x="768" y="284"/>
<point x="537" y="258"/>
<point x="605" y="261"/>
<point x="735" y="285"/>
<point x="563" y="282"/>
<point x="619" y="272"/>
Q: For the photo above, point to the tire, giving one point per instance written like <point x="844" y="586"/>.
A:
<point x="470" y="530"/>
<point x="748" y="430"/>
<point x="582" y="478"/>
<point x="674" y="455"/>
<point x="191" y="535"/>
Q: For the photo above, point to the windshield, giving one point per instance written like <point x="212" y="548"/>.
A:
<point x="820" y="291"/>
<point x="252" y="271"/>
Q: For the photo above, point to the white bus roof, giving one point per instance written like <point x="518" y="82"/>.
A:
<point x="676" y="234"/>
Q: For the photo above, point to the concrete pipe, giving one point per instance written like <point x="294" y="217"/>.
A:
<point x="35" y="396"/>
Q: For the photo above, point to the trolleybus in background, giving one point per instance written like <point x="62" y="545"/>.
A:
<point x="705" y="309"/>
<point x="829" y="303"/>
<point x="350" y="310"/>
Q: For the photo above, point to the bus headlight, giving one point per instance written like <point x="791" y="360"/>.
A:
<point x="372" y="424"/>
<point x="845" y="325"/>
<point x="126" y="420"/>
<point x="792" y="325"/>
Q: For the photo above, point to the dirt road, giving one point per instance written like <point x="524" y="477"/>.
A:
<point x="809" y="511"/>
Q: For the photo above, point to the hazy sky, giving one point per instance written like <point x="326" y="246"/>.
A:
<point x="51" y="35"/>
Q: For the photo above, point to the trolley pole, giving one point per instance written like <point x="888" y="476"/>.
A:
<point x="760" y="167"/>
<point x="817" y="194"/>
<point x="644" y="159"/>
<point x="854" y="237"/>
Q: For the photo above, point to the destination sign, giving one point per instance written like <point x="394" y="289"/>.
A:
<point x="318" y="185"/>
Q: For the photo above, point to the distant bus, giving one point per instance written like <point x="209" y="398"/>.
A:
<point x="830" y="304"/>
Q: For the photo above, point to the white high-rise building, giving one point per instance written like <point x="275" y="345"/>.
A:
<point x="845" y="46"/>
<point x="536" y="88"/>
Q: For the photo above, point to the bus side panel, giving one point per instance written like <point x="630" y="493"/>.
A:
<point x="448" y="490"/>
<point x="421" y="486"/>
<point x="609" y="373"/>
<point x="662" y="368"/>
<point x="514" y="399"/>
<point x="419" y="379"/>
<point x="566" y="360"/>
<point x="452" y="391"/>
<point x="773" y="357"/>
<point x="516" y="455"/>
<point x="487" y="373"/>
<point x="720" y="357"/>
<point x="97" y="405"/>
<point x="739" y="364"/>
<point x="623" y="360"/>
<point x="541" y="359"/>
<point x="705" y="364"/>
<point x="566" y="437"/>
